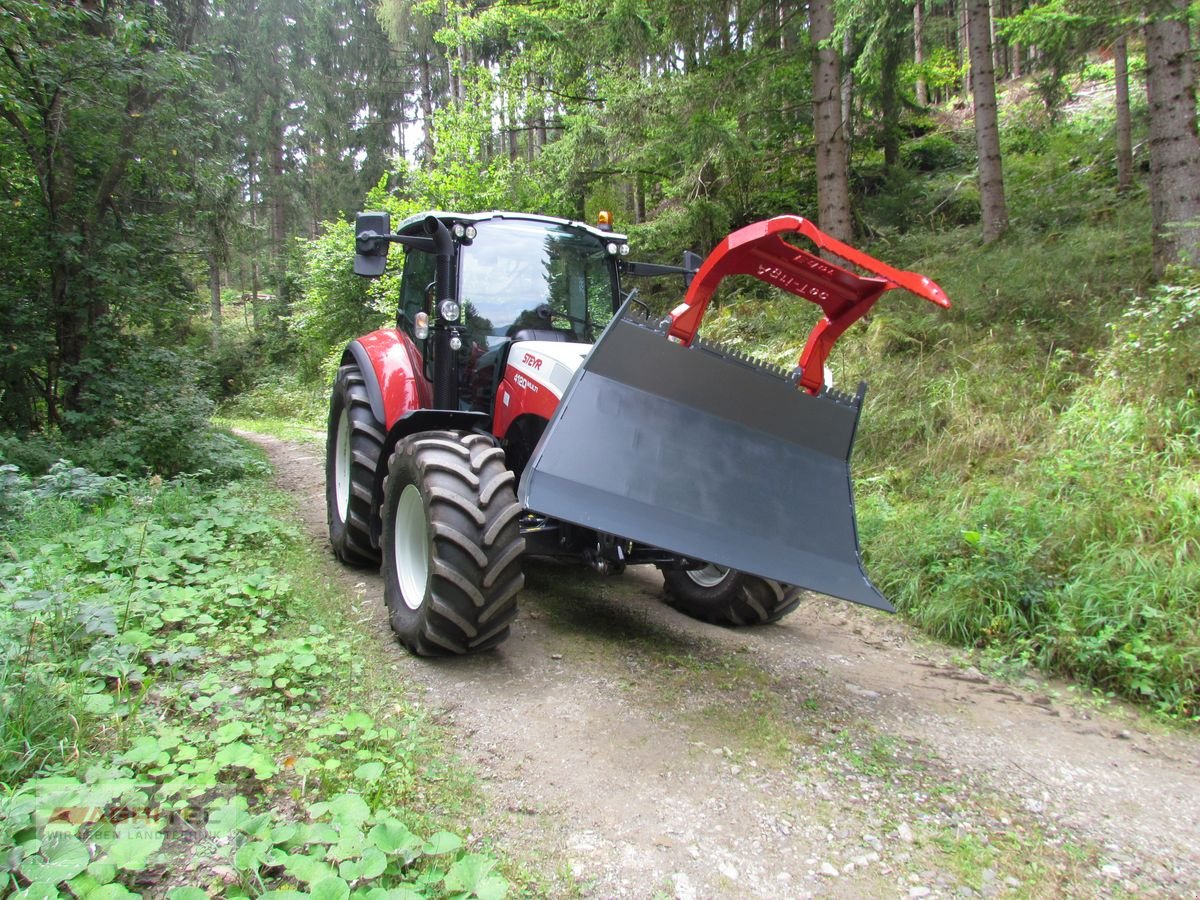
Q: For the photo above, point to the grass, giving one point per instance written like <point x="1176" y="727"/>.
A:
<point x="282" y="428"/>
<point x="283" y="398"/>
<point x="186" y="712"/>
<point x="1025" y="467"/>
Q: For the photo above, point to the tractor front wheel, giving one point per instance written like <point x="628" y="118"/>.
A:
<point x="452" y="544"/>
<point x="352" y="454"/>
<point x="728" y="597"/>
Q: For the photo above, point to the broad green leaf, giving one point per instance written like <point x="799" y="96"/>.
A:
<point x="357" y="720"/>
<point x="400" y="892"/>
<point x="319" y="833"/>
<point x="237" y="753"/>
<point x="229" y="732"/>
<point x="112" y="892"/>
<point x="39" y="890"/>
<point x="138" y="639"/>
<point x="467" y="872"/>
<point x="305" y="868"/>
<point x="392" y="836"/>
<point x="99" y="704"/>
<point x="102" y="871"/>
<point x="257" y="826"/>
<point x="330" y="888"/>
<point x="186" y="893"/>
<point x="493" y="887"/>
<point x="349" y="846"/>
<point x="133" y="853"/>
<point x="373" y="863"/>
<point x="442" y="842"/>
<point x="349" y="810"/>
<point x="369" y="771"/>
<point x="251" y="855"/>
<point x="144" y="750"/>
<point x="60" y="858"/>
<point x="225" y="819"/>
<point x="83" y="884"/>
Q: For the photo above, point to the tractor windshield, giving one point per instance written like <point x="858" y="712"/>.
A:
<point x="519" y="275"/>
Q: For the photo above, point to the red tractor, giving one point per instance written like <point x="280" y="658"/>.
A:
<point x="524" y="404"/>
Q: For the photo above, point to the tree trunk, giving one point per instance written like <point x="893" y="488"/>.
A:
<point x="847" y="96"/>
<point x="1124" y="126"/>
<point x="277" y="166"/>
<point x="539" y="119"/>
<point x="426" y="75"/>
<point x="919" y="50"/>
<point x="964" y="43"/>
<point x="889" y="100"/>
<point x="214" y="295"/>
<point x="987" y="132"/>
<point x="833" y="181"/>
<point x="1174" y="145"/>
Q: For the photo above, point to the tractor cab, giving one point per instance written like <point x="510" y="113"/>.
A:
<point x="477" y="285"/>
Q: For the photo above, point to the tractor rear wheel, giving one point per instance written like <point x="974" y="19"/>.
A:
<point x="452" y="544"/>
<point x="728" y="597"/>
<point x="352" y="451"/>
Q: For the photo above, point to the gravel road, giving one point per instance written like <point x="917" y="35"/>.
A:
<point x="628" y="751"/>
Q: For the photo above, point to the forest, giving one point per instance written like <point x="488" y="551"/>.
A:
<point x="178" y="180"/>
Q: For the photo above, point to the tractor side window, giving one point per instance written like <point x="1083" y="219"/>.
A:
<point x="419" y="273"/>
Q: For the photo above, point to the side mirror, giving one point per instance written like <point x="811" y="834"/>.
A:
<point x="370" y="243"/>
<point x="691" y="265"/>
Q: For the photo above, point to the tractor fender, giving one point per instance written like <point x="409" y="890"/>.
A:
<point x="536" y="374"/>
<point x="392" y="370"/>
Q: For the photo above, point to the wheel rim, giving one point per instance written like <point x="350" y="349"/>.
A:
<point x="708" y="577"/>
<point x="410" y="540"/>
<point x="341" y="465"/>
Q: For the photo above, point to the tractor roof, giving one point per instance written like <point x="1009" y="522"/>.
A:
<point x="414" y="223"/>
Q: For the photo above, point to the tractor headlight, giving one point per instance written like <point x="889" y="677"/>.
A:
<point x="449" y="310"/>
<point x="624" y="249"/>
<point x="421" y="325"/>
<point x="611" y="248"/>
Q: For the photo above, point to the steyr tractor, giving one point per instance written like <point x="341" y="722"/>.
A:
<point x="526" y="405"/>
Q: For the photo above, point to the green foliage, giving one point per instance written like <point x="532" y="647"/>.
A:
<point x="283" y="396"/>
<point x="1063" y="31"/>
<point x="931" y="152"/>
<point x="1026" y="461"/>
<point x="96" y="101"/>
<point x="942" y="69"/>
<point x="1065" y="539"/>
<point x="336" y="305"/>
<point x="163" y="679"/>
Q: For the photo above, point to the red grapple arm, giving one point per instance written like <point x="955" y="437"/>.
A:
<point x="759" y="250"/>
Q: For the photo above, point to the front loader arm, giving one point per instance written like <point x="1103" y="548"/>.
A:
<point x="759" y="250"/>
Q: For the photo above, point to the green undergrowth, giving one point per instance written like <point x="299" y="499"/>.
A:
<point x="280" y="397"/>
<point x="1026" y="468"/>
<point x="184" y="713"/>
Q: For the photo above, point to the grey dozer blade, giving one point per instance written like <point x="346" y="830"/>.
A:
<point x="708" y="456"/>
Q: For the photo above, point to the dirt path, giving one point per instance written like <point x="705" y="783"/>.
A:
<point x="632" y="752"/>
